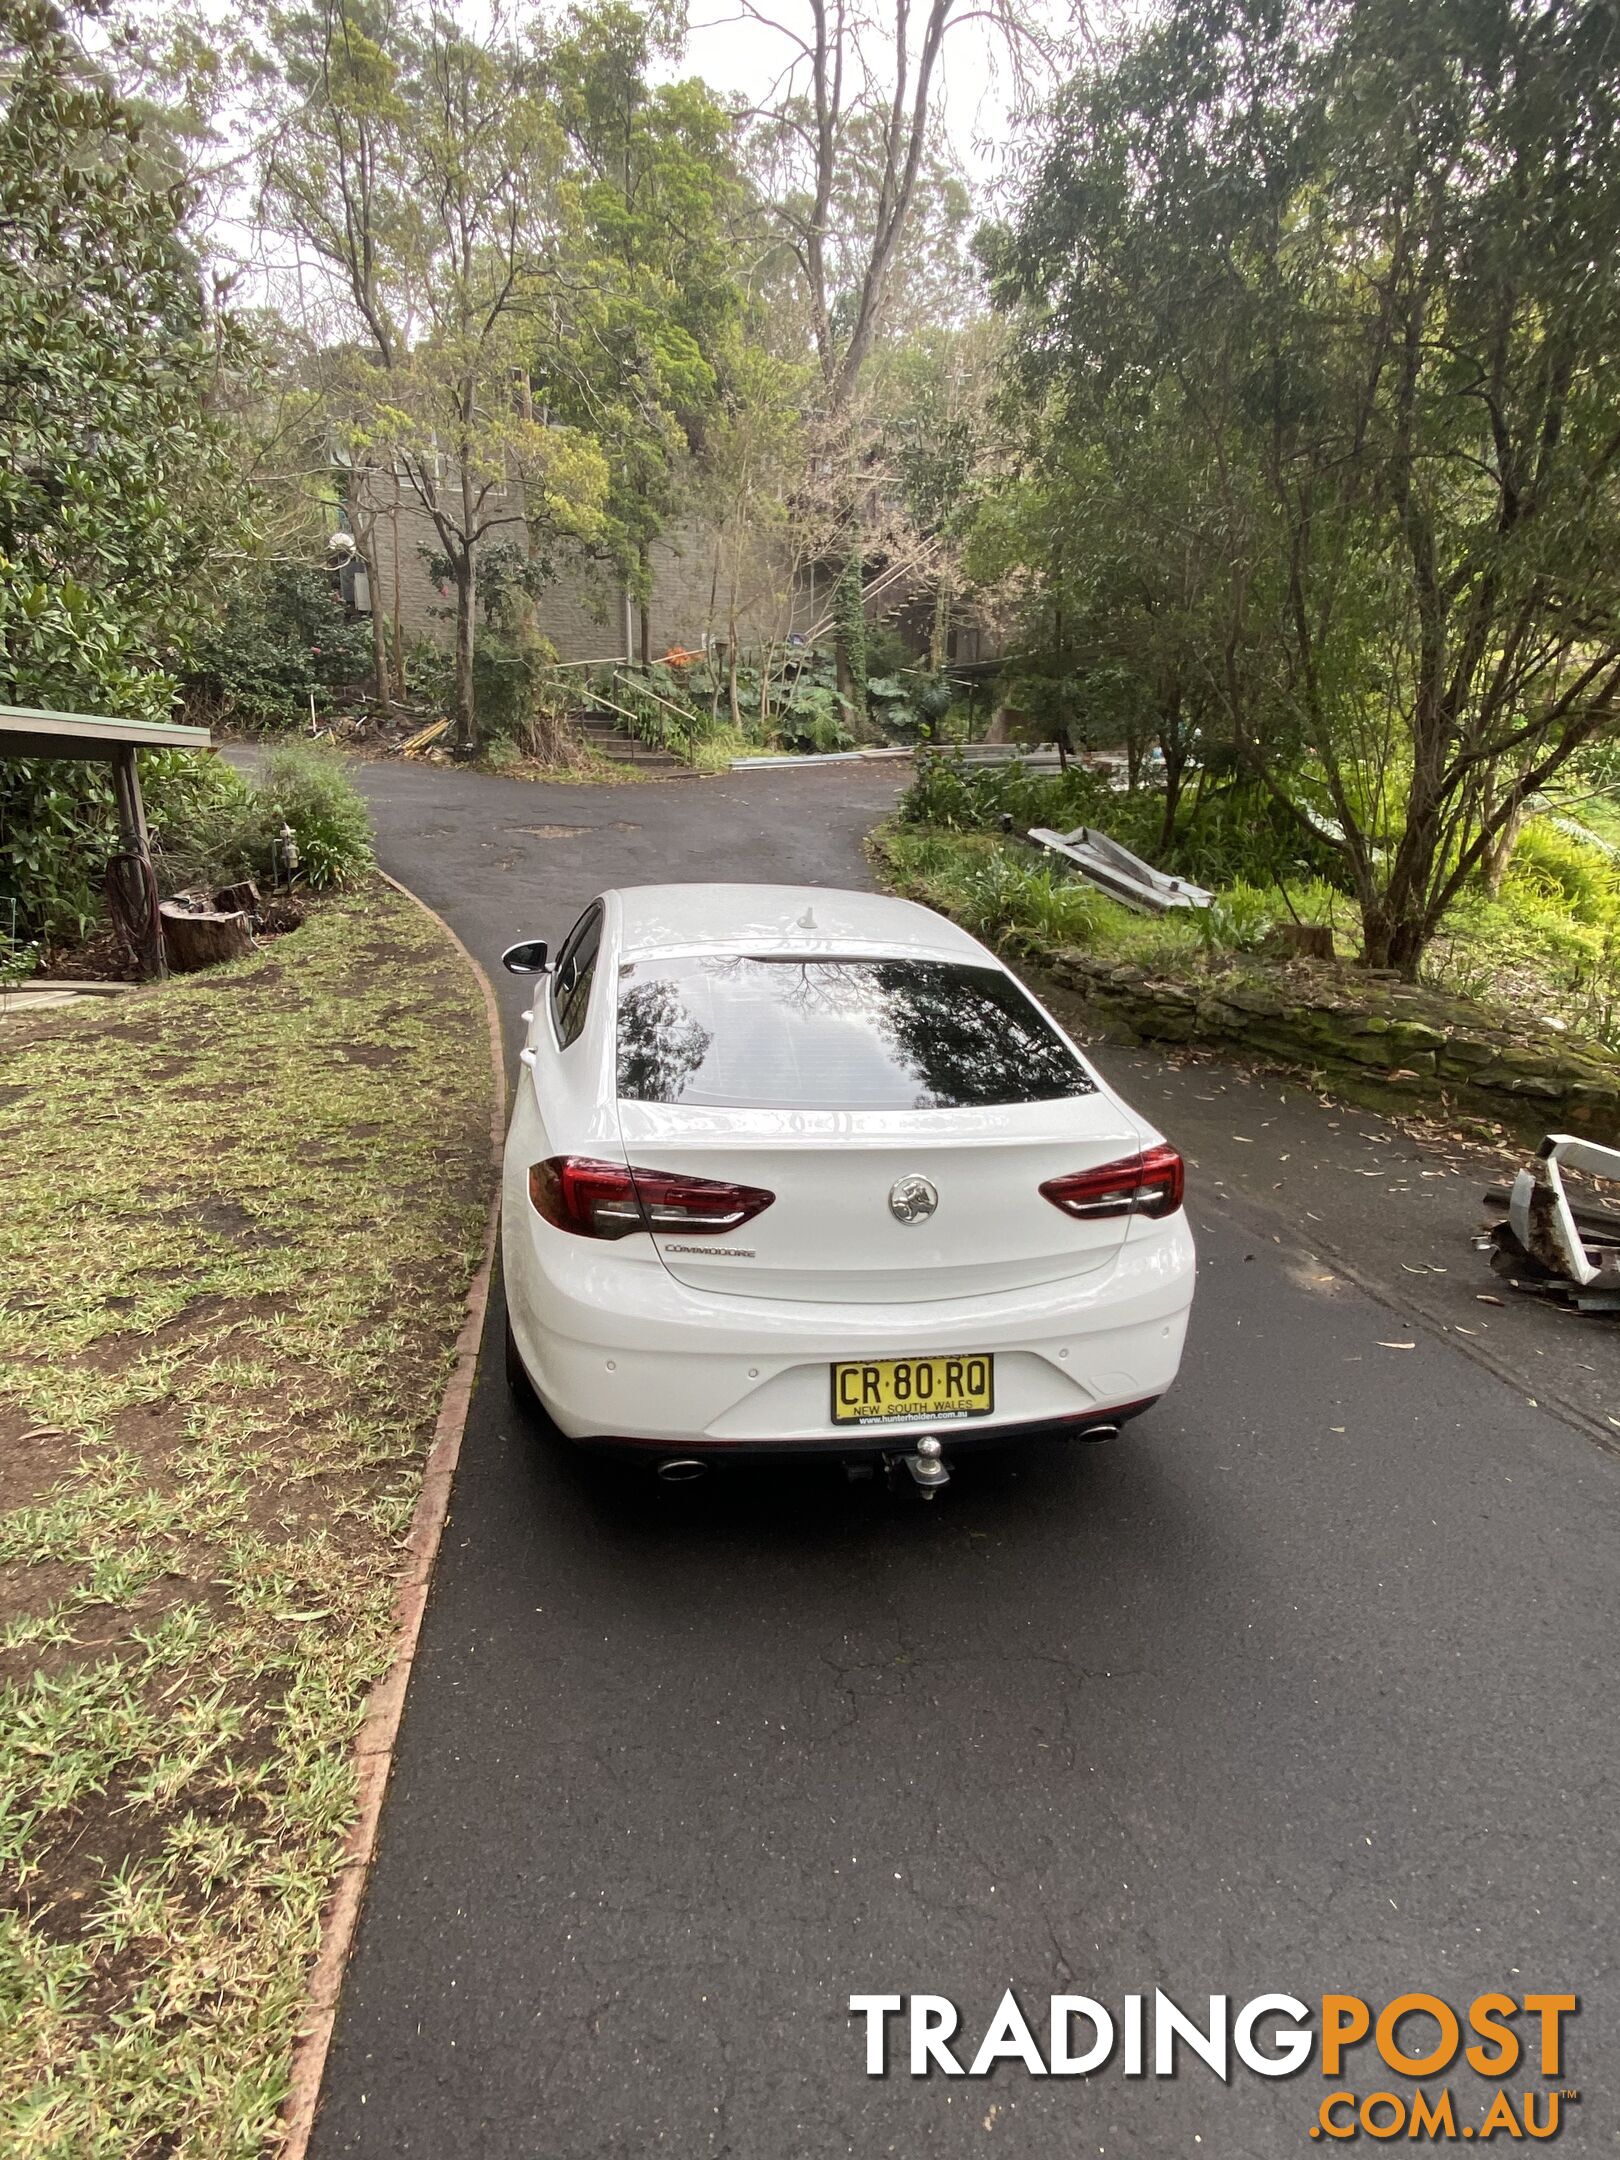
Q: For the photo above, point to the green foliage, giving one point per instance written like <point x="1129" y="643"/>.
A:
<point x="283" y="638"/>
<point x="1241" y="833"/>
<point x="59" y="824"/>
<point x="114" y="483"/>
<point x="992" y="889"/>
<point x="908" y="705"/>
<point x="57" y="827"/>
<point x="1318" y="323"/>
<point x="430" y="674"/>
<point x="1239" y="919"/>
<point x="641" y="356"/>
<point x="849" y="618"/>
<point x="512" y="684"/>
<point x="308" y="786"/>
<point x="954" y="796"/>
<point x="812" y="720"/>
<point x="1552" y="865"/>
<point x="211" y="826"/>
<point x="208" y="825"/>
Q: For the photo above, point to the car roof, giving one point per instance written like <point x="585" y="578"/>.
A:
<point x="770" y="919"/>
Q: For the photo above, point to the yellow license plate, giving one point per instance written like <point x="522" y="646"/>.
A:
<point x="884" y="1390"/>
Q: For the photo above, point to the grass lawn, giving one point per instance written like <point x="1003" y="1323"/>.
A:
<point x="240" y="1214"/>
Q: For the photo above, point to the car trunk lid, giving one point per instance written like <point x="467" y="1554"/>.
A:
<point x="887" y="1207"/>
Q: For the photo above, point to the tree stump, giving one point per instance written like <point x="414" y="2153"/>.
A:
<point x="202" y="937"/>
<point x="1301" y="940"/>
<point x="234" y="899"/>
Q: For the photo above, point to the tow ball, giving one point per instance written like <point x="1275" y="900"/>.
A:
<point x="927" y="1467"/>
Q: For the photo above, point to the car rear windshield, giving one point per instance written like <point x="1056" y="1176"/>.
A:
<point x="728" y="1031"/>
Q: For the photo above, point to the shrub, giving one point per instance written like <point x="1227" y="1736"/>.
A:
<point x="950" y="793"/>
<point x="1242" y="835"/>
<point x="229" y="829"/>
<point x="281" y="638"/>
<point x="1551" y="863"/>
<point x="308" y="787"/>
<point x="430" y="674"/>
<point x="511" y="681"/>
<point x="1238" y="919"/>
<point x="59" y="825"/>
<point x="990" y="889"/>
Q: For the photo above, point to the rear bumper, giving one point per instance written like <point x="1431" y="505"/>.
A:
<point x="855" y="1443"/>
<point x="627" y="1356"/>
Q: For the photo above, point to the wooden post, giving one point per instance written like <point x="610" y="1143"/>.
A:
<point x="133" y="840"/>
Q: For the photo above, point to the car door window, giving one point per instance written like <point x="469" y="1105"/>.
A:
<point x="575" y="970"/>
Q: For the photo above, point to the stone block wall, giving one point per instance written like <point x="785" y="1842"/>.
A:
<point x="1367" y="1037"/>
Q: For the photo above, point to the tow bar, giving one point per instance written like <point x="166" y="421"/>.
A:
<point x="927" y="1467"/>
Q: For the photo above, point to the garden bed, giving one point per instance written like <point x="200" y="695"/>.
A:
<point x="1391" y="1043"/>
<point x="242" y="1213"/>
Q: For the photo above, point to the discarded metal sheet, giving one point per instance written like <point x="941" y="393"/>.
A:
<point x="1548" y="1242"/>
<point x="1116" y="871"/>
<point x="791" y="760"/>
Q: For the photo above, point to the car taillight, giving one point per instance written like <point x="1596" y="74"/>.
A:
<point x="1147" y="1184"/>
<point x="614" y="1200"/>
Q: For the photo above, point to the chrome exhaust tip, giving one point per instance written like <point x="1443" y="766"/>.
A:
<point x="682" y="1470"/>
<point x="1099" y="1432"/>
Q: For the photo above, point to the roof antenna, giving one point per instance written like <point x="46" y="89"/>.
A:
<point x="807" y="921"/>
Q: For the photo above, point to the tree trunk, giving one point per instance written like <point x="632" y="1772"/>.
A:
<point x="1172" y="803"/>
<point x="399" y="633"/>
<point x="1175" y="765"/>
<point x="644" y="623"/>
<point x="1389" y="940"/>
<point x="379" y="628"/>
<point x="850" y="628"/>
<point x="939" y="640"/>
<point x="464" y="718"/>
<point x="366" y="539"/>
<point x="1499" y="851"/>
<point x="731" y="656"/>
<point x="465" y="559"/>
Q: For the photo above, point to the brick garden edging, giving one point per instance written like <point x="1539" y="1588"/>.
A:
<point x="1365" y="1036"/>
<point x="379" y="1726"/>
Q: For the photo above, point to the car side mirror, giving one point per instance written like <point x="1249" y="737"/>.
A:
<point x="525" y="958"/>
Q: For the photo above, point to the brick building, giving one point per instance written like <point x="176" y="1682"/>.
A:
<point x="583" y="612"/>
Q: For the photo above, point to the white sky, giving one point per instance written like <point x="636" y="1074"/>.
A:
<point x="735" y="52"/>
<point x="738" y="54"/>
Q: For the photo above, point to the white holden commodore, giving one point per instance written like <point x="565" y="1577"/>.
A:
<point x="794" y="1169"/>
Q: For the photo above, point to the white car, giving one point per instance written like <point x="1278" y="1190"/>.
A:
<point x="796" y="1169"/>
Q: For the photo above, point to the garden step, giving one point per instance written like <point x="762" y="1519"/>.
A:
<point x="606" y="735"/>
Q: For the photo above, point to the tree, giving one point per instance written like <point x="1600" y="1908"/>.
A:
<point x="115" y="502"/>
<point x="420" y="163"/>
<point x="753" y="450"/>
<point x="1370" y="254"/>
<point x="656" y="304"/>
<point x="852" y="157"/>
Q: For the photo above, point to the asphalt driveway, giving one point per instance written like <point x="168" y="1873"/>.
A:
<point x="1305" y="1683"/>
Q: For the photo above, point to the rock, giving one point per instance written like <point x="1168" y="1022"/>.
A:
<point x="1415" y="1035"/>
<point x="1251" y="998"/>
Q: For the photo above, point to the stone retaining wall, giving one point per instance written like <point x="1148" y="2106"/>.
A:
<point x="1369" y="1038"/>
